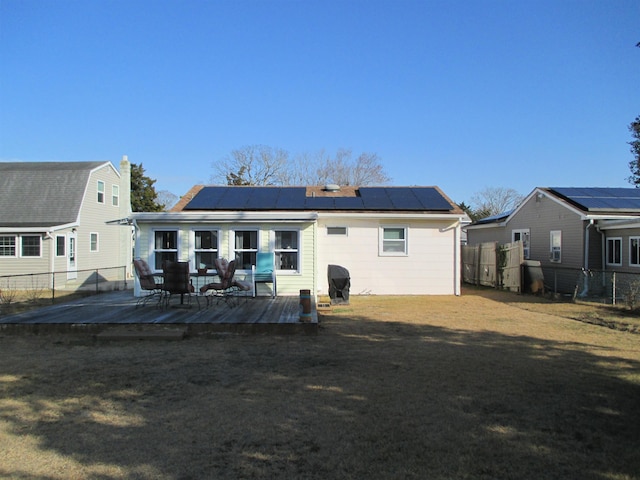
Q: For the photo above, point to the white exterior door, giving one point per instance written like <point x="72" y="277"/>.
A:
<point x="72" y="267"/>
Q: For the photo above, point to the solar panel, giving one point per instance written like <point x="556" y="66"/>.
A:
<point x="404" y="199"/>
<point x="348" y="203"/>
<point x="294" y="198"/>
<point x="291" y="198"/>
<point x="375" y="198"/>
<point x="606" y="199"/>
<point x="206" y="198"/>
<point x="262" y="198"/>
<point x="431" y="198"/>
<point x="319" y="203"/>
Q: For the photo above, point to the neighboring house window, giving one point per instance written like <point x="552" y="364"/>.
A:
<point x="634" y="251"/>
<point x="7" y="246"/>
<point x="206" y="248"/>
<point x="30" y="245"/>
<point x="393" y="241"/>
<point x="165" y="247"/>
<point x="614" y="251"/>
<point x="336" y="230"/>
<point x="286" y="249"/>
<point x="523" y="236"/>
<point x="100" y="191"/>
<point x="60" y="246"/>
<point x="245" y="248"/>
<point x="93" y="242"/>
<point x="115" y="195"/>
<point x="555" y="246"/>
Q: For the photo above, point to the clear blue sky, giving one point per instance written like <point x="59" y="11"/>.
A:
<point x="460" y="94"/>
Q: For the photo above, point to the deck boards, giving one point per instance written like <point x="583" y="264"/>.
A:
<point x="119" y="308"/>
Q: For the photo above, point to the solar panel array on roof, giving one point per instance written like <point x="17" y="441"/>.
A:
<point x="602" y="199"/>
<point x="295" y="198"/>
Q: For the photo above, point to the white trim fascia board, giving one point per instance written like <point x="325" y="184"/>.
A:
<point x="619" y="224"/>
<point x="402" y="216"/>
<point x="53" y="228"/>
<point x="485" y="225"/>
<point x="223" y="217"/>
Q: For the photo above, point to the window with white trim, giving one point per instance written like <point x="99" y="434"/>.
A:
<point x="522" y="235"/>
<point x="93" y="242"/>
<point x="634" y="251"/>
<point x="245" y="248"/>
<point x="286" y="249"/>
<point x="393" y="241"/>
<point x="555" y="246"/>
<point x="100" y="191"/>
<point x="7" y="246"/>
<point x="205" y="248"/>
<point x="115" y="195"/>
<point x="165" y="247"/>
<point x="61" y="249"/>
<point x="614" y="251"/>
<point x="30" y="245"/>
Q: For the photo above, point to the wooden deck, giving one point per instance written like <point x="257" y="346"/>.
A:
<point x="107" y="310"/>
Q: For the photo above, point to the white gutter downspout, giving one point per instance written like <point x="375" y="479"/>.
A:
<point x="456" y="262"/>
<point x="136" y="242"/>
<point x="50" y="236"/>
<point x="585" y="269"/>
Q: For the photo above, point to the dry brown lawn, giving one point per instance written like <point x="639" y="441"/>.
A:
<point x="483" y="386"/>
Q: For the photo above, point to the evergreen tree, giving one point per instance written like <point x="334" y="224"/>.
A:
<point x="634" y="165"/>
<point x="144" y="197"/>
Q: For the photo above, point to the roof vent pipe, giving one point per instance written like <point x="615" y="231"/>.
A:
<point x="332" y="187"/>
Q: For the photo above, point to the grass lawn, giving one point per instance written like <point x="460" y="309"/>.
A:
<point x="488" y="385"/>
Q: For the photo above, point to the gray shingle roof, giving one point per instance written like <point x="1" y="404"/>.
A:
<point x="41" y="194"/>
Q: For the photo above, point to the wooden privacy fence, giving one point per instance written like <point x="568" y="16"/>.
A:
<point x="493" y="265"/>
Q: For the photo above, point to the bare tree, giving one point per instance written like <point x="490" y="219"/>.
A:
<point x="342" y="170"/>
<point x="254" y="164"/>
<point x="261" y="165"/>
<point x="495" y="200"/>
<point x="167" y="199"/>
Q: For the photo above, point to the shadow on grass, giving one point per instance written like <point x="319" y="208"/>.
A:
<point x="364" y="399"/>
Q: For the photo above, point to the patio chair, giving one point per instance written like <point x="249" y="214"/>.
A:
<point x="264" y="271"/>
<point x="148" y="283"/>
<point x="228" y="287"/>
<point x="177" y="282"/>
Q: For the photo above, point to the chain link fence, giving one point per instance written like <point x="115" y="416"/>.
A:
<point x="603" y="286"/>
<point x="40" y="288"/>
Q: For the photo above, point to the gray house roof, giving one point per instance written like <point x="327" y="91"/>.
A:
<point x="42" y="194"/>
<point x="594" y="202"/>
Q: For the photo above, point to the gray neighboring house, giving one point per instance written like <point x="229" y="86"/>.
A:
<point x="54" y="218"/>
<point x="569" y="229"/>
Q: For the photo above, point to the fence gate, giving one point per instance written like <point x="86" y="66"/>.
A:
<point x="493" y="265"/>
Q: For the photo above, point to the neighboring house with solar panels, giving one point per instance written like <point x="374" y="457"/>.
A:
<point x="53" y="218"/>
<point x="393" y="240"/>
<point x="572" y="229"/>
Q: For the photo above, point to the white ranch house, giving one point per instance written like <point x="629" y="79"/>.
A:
<point x="393" y="240"/>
